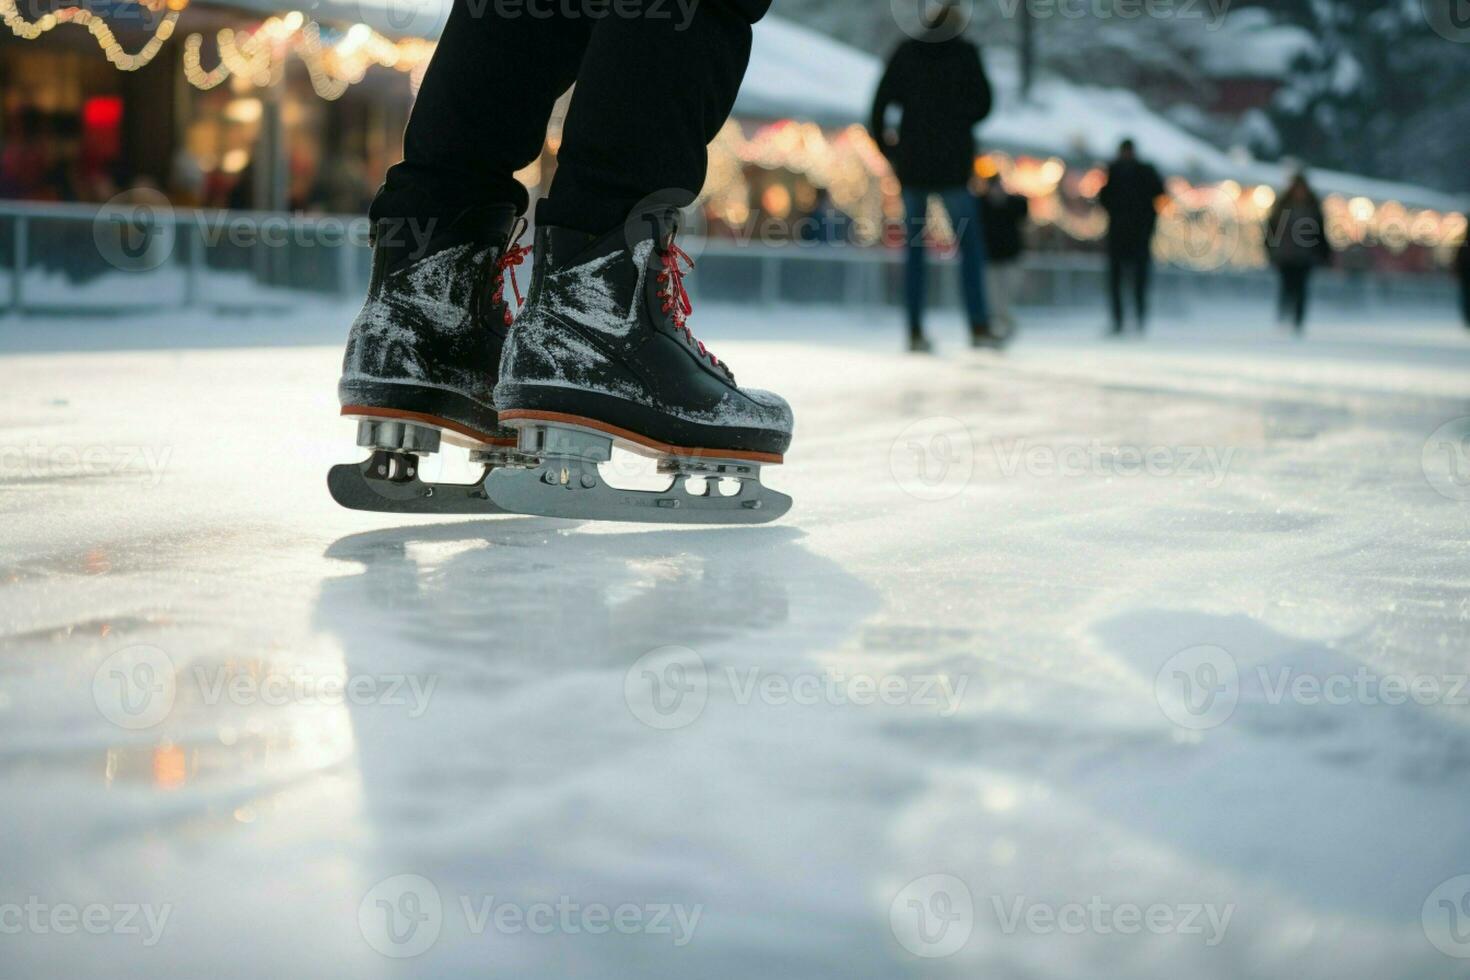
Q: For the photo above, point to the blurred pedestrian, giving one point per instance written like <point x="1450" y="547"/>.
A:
<point x="1296" y="239"/>
<point x="341" y="187"/>
<point x="1130" y="198"/>
<point x="937" y="84"/>
<point x="1463" y="264"/>
<point x="23" y="157"/>
<point x="1002" y="215"/>
<point x="186" y="179"/>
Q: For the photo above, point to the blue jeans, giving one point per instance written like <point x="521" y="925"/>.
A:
<point x="964" y="215"/>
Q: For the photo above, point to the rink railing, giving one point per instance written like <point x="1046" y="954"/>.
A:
<point x="75" y="259"/>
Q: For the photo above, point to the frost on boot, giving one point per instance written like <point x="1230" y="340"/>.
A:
<point x="602" y="357"/>
<point x="605" y="337"/>
<point x="421" y="362"/>
<point x="427" y="343"/>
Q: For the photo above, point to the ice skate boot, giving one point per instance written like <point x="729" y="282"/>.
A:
<point x="602" y="356"/>
<point x="422" y="358"/>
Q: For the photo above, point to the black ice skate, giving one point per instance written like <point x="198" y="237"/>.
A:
<point x="422" y="359"/>
<point x="602" y="356"/>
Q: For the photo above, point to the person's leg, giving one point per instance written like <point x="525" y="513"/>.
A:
<point x="653" y="90"/>
<point x="1465" y="298"/>
<point x="916" y="262"/>
<point x="964" y="215"/>
<point x="603" y="355"/>
<point x="1303" y="277"/>
<point x="1142" y="268"/>
<point x="1289" y="288"/>
<point x="998" y="284"/>
<point x="482" y="110"/>
<point x="1115" y="287"/>
<point x="1015" y="280"/>
<point x="1283" y="294"/>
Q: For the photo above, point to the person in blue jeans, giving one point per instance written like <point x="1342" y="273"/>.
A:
<point x="964" y="216"/>
<point x="937" y="84"/>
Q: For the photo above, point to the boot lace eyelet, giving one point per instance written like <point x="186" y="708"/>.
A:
<point x="676" y="303"/>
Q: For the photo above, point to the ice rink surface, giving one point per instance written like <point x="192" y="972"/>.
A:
<point x="1022" y="687"/>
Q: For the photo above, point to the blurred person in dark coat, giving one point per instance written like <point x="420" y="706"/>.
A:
<point x="938" y="83"/>
<point x="1130" y="198"/>
<point x="1296" y="239"/>
<point x="1003" y="216"/>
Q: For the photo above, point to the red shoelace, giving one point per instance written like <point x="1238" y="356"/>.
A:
<point x="676" y="297"/>
<point x="514" y="255"/>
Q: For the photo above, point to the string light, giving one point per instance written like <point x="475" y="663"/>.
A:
<point x="106" y="40"/>
<point x="194" y="69"/>
<point x="259" y="57"/>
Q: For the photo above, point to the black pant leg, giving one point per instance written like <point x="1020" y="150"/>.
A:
<point x="751" y="10"/>
<point x="1115" y="288"/>
<point x="1142" y="268"/>
<point x="482" y="109"/>
<point x="1293" y="301"/>
<point x="653" y="90"/>
<point x="1304" y="276"/>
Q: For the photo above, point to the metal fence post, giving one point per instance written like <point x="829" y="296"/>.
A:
<point x="770" y="280"/>
<point x="17" y="284"/>
<point x="191" y="263"/>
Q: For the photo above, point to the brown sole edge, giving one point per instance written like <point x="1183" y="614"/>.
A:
<point x="454" y="433"/>
<point x="662" y="448"/>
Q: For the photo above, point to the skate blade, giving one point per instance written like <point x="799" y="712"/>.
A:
<point x="381" y="485"/>
<point x="566" y="482"/>
<point x="388" y="480"/>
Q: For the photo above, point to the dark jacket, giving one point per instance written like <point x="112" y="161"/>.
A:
<point x="943" y="92"/>
<point x="1296" y="233"/>
<point x="1462" y="261"/>
<point x="1128" y="198"/>
<point x="1002" y="218"/>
